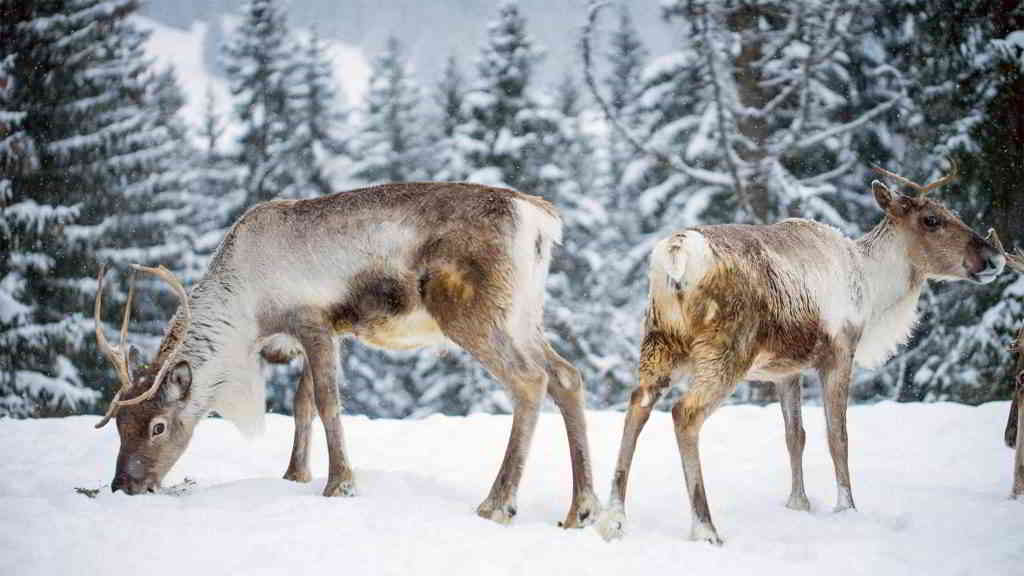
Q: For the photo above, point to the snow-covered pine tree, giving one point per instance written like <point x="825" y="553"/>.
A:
<point x="257" y="59"/>
<point x="965" y="74"/>
<point x="575" y="311"/>
<point x="449" y="97"/>
<point x="503" y="129"/>
<point x="626" y="57"/>
<point x="218" y="194"/>
<point x="388" y="145"/>
<point x="92" y="177"/>
<point x="315" y="121"/>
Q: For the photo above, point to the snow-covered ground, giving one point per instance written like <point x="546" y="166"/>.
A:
<point x="931" y="482"/>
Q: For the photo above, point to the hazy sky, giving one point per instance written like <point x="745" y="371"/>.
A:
<point x="430" y="29"/>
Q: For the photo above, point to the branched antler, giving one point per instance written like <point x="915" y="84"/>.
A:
<point x="118" y="355"/>
<point x="926" y="188"/>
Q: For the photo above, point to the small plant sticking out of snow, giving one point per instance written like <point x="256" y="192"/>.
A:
<point x="88" y="492"/>
<point x="184" y="488"/>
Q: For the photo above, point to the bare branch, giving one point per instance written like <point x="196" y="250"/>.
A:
<point x="672" y="161"/>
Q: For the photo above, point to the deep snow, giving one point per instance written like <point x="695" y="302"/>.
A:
<point x="931" y="482"/>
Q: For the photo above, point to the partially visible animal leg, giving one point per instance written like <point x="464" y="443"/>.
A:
<point x="707" y="391"/>
<point x="298" y="465"/>
<point x="322" y="359"/>
<point x="1018" y="462"/>
<point x="653" y="375"/>
<point x="789" y="400"/>
<point x="836" y="388"/>
<point x="1010" y="436"/>
<point x="566" y="388"/>
<point x="521" y="372"/>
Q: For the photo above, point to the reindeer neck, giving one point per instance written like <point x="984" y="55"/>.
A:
<point x="214" y="341"/>
<point x="892" y="287"/>
<point x="890" y="277"/>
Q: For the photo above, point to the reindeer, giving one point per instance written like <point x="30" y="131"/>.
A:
<point x="735" y="302"/>
<point x="1014" y="434"/>
<point x="398" y="266"/>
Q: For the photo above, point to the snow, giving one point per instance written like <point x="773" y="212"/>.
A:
<point x="931" y="482"/>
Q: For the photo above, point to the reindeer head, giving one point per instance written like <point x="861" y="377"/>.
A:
<point x="939" y="244"/>
<point x="150" y="405"/>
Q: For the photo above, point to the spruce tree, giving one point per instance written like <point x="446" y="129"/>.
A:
<point x="388" y="146"/>
<point x="257" y="60"/>
<point x="503" y="121"/>
<point x="315" y="121"/>
<point x="88" y="175"/>
<point x="451" y="163"/>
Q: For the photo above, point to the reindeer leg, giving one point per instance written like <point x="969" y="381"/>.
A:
<point x="1018" y="462"/>
<point x="789" y="400"/>
<point x="298" y="466"/>
<point x="1010" y="435"/>
<point x="321" y="357"/>
<point x="689" y="413"/>
<point x="525" y="379"/>
<point x="566" y="388"/>
<point x="653" y="377"/>
<point x="836" y="383"/>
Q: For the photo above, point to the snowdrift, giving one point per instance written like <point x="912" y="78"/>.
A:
<point x="932" y="483"/>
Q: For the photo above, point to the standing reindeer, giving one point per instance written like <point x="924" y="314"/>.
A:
<point x="1014" y="434"/>
<point x="398" y="266"/>
<point x="737" y="302"/>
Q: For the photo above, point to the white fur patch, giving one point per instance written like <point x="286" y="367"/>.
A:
<point x="892" y="306"/>
<point x="526" y="313"/>
<point x="685" y="259"/>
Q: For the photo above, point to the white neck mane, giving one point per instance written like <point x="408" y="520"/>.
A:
<point x="892" y="288"/>
<point x="220" y="348"/>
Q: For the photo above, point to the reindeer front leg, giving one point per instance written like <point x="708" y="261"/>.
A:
<point x="322" y="360"/>
<point x="836" y="374"/>
<point x="298" y="466"/>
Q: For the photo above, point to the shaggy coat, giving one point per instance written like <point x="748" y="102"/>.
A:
<point x="397" y="266"/>
<point x="735" y="302"/>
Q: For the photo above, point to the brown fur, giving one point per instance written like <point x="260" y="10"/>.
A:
<point x="448" y="272"/>
<point x="754" y="308"/>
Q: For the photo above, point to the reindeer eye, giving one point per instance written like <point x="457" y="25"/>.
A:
<point x="931" y="221"/>
<point x="158" y="429"/>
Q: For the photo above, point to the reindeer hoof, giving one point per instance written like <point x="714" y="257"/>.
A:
<point x="611" y="525"/>
<point x="706" y="533"/>
<point x="302" y="476"/>
<point x="582" y="513"/>
<point x="798" y="502"/>
<point x="345" y="488"/>
<point x="500" y="514"/>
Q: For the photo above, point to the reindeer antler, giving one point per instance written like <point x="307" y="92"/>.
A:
<point x="119" y="355"/>
<point x="1015" y="260"/>
<point x="923" y="189"/>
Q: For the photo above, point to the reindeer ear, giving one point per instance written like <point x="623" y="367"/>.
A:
<point x="886" y="198"/>
<point x="178" y="382"/>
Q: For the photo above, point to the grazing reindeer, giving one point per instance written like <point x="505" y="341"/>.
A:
<point x="740" y="302"/>
<point x="397" y="266"/>
<point x="1014" y="434"/>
